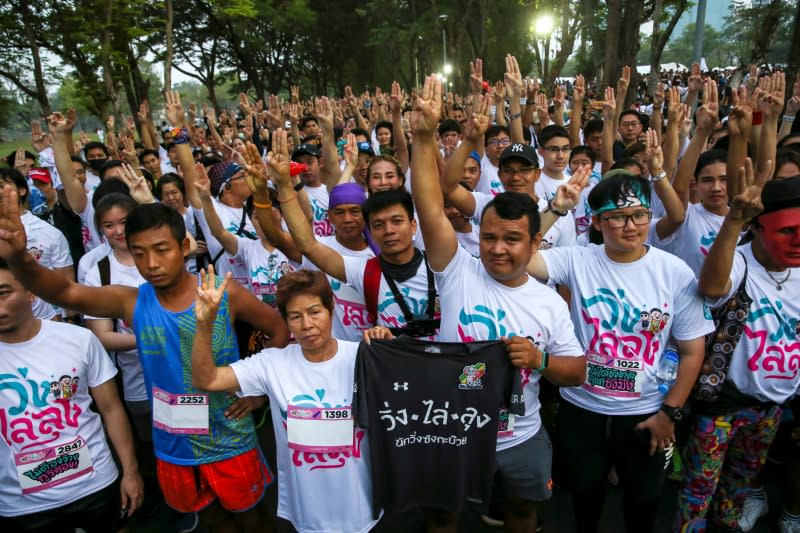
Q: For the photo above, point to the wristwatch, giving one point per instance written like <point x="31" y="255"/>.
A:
<point x="555" y="211"/>
<point x="675" y="414"/>
<point x="299" y="186"/>
<point x="658" y="177"/>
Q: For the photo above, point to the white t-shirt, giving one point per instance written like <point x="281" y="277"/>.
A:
<point x="764" y="364"/>
<point x="350" y="317"/>
<point x="546" y="186"/>
<point x="476" y="307"/>
<point x="562" y="233"/>
<point x="323" y="491"/>
<point x="230" y="217"/>
<point x="133" y="386"/>
<point x="624" y="314"/>
<point x="318" y="198"/>
<point x="471" y="241"/>
<point x="49" y="247"/>
<point x="90" y="259"/>
<point x="44" y="405"/>
<point x="489" y="183"/>
<point x="266" y="268"/>
<point x="693" y="239"/>
<point x="90" y="234"/>
<point x="413" y="290"/>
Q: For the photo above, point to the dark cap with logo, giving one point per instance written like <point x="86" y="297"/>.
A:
<point x="306" y="148"/>
<point x="520" y="151"/>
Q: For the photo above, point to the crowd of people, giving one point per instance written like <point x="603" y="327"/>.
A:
<point x="223" y="266"/>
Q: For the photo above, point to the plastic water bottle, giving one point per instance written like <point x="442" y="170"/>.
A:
<point x="667" y="370"/>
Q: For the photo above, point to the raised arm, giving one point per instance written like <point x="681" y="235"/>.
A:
<point x="440" y="237"/>
<point x="674" y="208"/>
<point x="578" y="94"/>
<point x="206" y="375"/>
<point x="670" y="144"/>
<point x="740" y="121"/>
<point x="514" y="89"/>
<point x="111" y="301"/>
<point x="791" y="110"/>
<point x="74" y="189"/>
<point x="771" y="107"/>
<point x="609" y="130"/>
<point x="176" y="118"/>
<point x="352" y="103"/>
<point x="329" y="172"/>
<point x="327" y="259"/>
<point x="715" y="275"/>
<point x="400" y="144"/>
<point x="622" y="90"/>
<point x="657" y="118"/>
<point x="202" y="184"/>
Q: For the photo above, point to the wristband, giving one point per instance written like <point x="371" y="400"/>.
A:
<point x="554" y="210"/>
<point x="523" y="100"/>
<point x="758" y="118"/>
<point x="299" y="186"/>
<point x="292" y="197"/>
<point x="262" y="206"/>
<point x="514" y="116"/>
<point x="658" y="177"/>
<point x="492" y="110"/>
<point x="179" y="135"/>
<point x="788" y="118"/>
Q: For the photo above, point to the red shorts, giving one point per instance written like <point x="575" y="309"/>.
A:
<point x="238" y="483"/>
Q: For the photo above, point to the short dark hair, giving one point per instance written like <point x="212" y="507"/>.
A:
<point x="615" y="188"/>
<point x="94" y="144"/>
<point x="593" y="126"/>
<point x="109" y="186"/>
<point x="166" y="179"/>
<point x="551" y="132"/>
<point x="305" y="120"/>
<point x="784" y="156"/>
<point x="209" y="160"/>
<point x="626" y="162"/>
<point x="77" y="159"/>
<point x="514" y="206"/>
<point x="108" y="165"/>
<point x="153" y="216"/>
<point x="710" y="157"/>
<point x="310" y="282"/>
<point x="109" y="202"/>
<point x="381" y="200"/>
<point x="633" y="149"/>
<point x="449" y="125"/>
<point x="630" y="112"/>
<point x="494" y="131"/>
<point x="146" y="152"/>
<point x="15" y="176"/>
<point x="13" y="155"/>
<point x="360" y="131"/>
<point x="583" y="149"/>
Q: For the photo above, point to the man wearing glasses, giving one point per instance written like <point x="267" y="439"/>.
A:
<point x="497" y="139"/>
<point x="554" y="151"/>
<point x="630" y="126"/>
<point x="628" y="300"/>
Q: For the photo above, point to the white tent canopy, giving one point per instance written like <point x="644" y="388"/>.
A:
<point x="645" y="69"/>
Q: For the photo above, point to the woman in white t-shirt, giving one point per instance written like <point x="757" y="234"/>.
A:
<point x="171" y="190"/>
<point x="310" y="387"/>
<point x="628" y="299"/>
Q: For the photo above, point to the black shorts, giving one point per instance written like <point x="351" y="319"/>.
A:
<point x="587" y="444"/>
<point x="99" y="512"/>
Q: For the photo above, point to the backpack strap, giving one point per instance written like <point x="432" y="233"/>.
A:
<point x="372" y="283"/>
<point x="104" y="266"/>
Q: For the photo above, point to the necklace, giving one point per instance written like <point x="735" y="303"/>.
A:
<point x="780" y="282"/>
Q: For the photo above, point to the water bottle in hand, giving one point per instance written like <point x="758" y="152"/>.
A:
<point x="667" y="370"/>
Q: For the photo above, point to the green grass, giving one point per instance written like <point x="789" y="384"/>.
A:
<point x="7" y="147"/>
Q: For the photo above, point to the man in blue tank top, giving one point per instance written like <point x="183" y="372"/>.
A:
<point x="206" y="447"/>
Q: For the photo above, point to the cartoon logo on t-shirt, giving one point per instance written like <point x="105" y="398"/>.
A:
<point x="36" y="253"/>
<point x="706" y="241"/>
<point x="655" y="321"/>
<point x="470" y="378"/>
<point x="65" y="387"/>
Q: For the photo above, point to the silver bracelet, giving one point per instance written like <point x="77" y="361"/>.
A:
<point x="788" y="118"/>
<point x="523" y="100"/>
<point x="658" y="177"/>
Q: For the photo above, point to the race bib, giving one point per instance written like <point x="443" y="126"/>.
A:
<point x="505" y="427"/>
<point x="185" y="414"/>
<point x="320" y="430"/>
<point x="43" y="469"/>
<point x="610" y="376"/>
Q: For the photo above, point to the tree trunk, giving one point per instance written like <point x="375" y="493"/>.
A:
<point x="628" y="45"/>
<point x="108" y="76"/>
<point x="41" y="89"/>
<point x="764" y="37"/>
<point x="655" y="55"/>
<point x="794" y="51"/>
<point x="613" y="24"/>
<point x="169" y="38"/>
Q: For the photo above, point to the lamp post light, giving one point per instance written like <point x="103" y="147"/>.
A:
<point x="447" y="68"/>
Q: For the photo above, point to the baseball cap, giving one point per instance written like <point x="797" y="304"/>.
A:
<point x="365" y="147"/>
<point x="520" y="151"/>
<point x="306" y="148"/>
<point x="41" y="174"/>
<point x="220" y="174"/>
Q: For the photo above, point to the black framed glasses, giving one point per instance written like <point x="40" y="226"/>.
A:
<point x="639" y="218"/>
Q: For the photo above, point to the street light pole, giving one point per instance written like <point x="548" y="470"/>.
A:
<point x="443" y="18"/>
